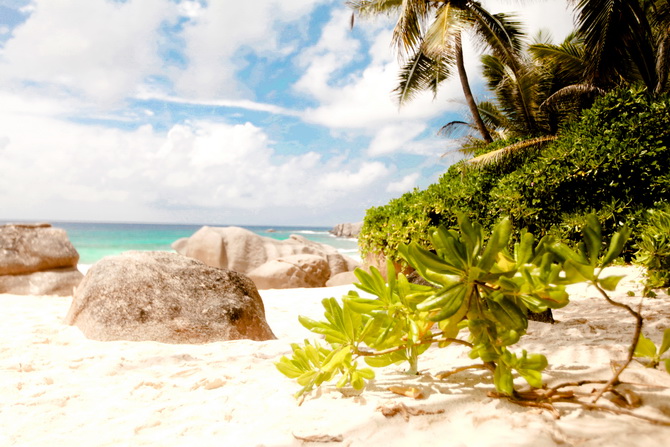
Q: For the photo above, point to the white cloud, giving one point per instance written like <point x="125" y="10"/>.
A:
<point x="395" y="138"/>
<point x="362" y="99"/>
<point x="146" y="94"/>
<point x="96" y="50"/>
<point x="97" y="173"/>
<point x="74" y="58"/>
<point x="554" y="16"/>
<point x="407" y="183"/>
<point x="221" y="29"/>
<point x="367" y="174"/>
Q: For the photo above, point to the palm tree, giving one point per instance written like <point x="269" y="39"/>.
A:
<point x="627" y="41"/>
<point x="428" y="35"/>
<point x="532" y="99"/>
<point x="658" y="12"/>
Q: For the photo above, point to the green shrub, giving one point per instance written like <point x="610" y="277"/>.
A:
<point x="654" y="247"/>
<point x="613" y="162"/>
<point x="477" y="284"/>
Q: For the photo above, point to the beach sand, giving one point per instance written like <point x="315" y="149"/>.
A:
<point x="60" y="389"/>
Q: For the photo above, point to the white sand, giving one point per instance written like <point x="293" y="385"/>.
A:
<point x="60" y="389"/>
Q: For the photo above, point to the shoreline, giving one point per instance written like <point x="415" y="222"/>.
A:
<point x="61" y="389"/>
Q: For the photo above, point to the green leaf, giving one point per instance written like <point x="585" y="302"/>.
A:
<point x="503" y="380"/>
<point x="332" y="334"/>
<point x="508" y="314"/>
<point x="363" y="305"/>
<point x="313" y="355"/>
<point x="665" y="344"/>
<point x="288" y="368"/>
<point x="578" y="270"/>
<point x="498" y="240"/>
<point x="357" y="381"/>
<point x="439" y="297"/>
<point x="667" y="365"/>
<point x="565" y="253"/>
<point x="386" y="359"/>
<point x="645" y="347"/>
<point x="610" y="283"/>
<point x="335" y="359"/>
<point x="366" y="373"/>
<point x="533" y="377"/>
<point x="592" y="238"/>
<point x="350" y="322"/>
<point x="308" y="378"/>
<point x="616" y="246"/>
<point x="453" y="301"/>
<point x="523" y="250"/>
<point x="537" y="362"/>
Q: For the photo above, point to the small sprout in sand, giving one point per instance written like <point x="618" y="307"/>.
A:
<point x="647" y="348"/>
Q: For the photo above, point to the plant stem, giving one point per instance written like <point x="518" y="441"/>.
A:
<point x="631" y="349"/>
<point x="444" y="375"/>
<point x="364" y="353"/>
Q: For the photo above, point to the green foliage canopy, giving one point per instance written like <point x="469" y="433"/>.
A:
<point x="613" y="161"/>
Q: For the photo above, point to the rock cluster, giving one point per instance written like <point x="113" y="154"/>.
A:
<point x="351" y="230"/>
<point x="167" y="298"/>
<point x="37" y="259"/>
<point x="270" y="263"/>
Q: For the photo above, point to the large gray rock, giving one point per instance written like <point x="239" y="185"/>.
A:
<point x="351" y="230"/>
<point x="28" y="248"/>
<point x="60" y="282"/>
<point x="37" y="259"/>
<point x="291" y="272"/>
<point x="167" y="298"/>
<point x="242" y="250"/>
<point x="342" y="279"/>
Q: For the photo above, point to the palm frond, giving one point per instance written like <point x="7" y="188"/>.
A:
<point x="588" y="91"/>
<point x="368" y="8"/>
<point x="663" y="64"/>
<point x="455" y="129"/>
<point x="616" y="31"/>
<point x="501" y="32"/>
<point x="409" y="30"/>
<point x="499" y="155"/>
<point x="422" y="72"/>
<point x="440" y="34"/>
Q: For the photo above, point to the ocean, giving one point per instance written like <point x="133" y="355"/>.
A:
<point x="94" y="241"/>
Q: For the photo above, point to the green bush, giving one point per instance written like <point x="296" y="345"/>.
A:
<point x="613" y="162"/>
<point x="477" y="284"/>
<point x="654" y="247"/>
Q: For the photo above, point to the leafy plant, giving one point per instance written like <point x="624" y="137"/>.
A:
<point x="612" y="162"/>
<point x="654" y="247"/>
<point x="476" y="285"/>
<point x="647" y="348"/>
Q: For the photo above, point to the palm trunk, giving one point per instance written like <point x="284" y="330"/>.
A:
<point x="663" y="63"/>
<point x="469" y="98"/>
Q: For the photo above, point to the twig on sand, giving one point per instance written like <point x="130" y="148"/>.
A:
<point x="631" y="349"/>
<point x="319" y="438"/>
<point x="546" y="398"/>
<point x="399" y="408"/>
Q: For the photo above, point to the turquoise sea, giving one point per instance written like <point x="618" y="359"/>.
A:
<point x="94" y="241"/>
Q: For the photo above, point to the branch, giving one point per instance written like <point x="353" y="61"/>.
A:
<point x="631" y="349"/>
<point x="444" y="375"/>
<point x="365" y="353"/>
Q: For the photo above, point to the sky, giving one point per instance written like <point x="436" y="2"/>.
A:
<point x="271" y="112"/>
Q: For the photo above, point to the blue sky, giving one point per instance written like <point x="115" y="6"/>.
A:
<point x="271" y="112"/>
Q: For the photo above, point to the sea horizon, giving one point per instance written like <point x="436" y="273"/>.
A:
<point x="96" y="240"/>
